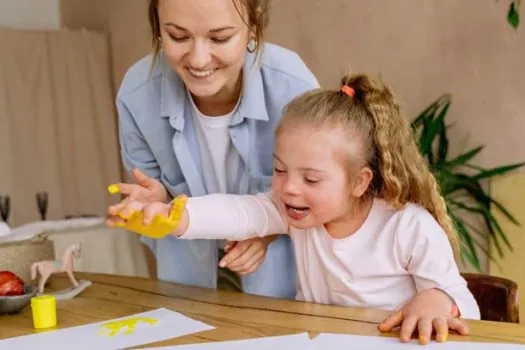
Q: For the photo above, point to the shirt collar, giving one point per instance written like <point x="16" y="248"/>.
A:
<point x="172" y="93"/>
<point x="253" y="101"/>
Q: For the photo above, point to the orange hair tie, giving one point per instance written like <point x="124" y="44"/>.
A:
<point x="348" y="90"/>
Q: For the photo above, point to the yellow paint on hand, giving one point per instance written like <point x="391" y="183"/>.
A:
<point x="160" y="226"/>
<point x="113" y="189"/>
<point x="112" y="328"/>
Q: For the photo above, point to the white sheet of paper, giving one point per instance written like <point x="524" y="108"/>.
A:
<point x="139" y="329"/>
<point x="328" y="341"/>
<point x="288" y="342"/>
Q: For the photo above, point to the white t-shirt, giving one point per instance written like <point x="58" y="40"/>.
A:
<point x="394" y="255"/>
<point x="219" y="157"/>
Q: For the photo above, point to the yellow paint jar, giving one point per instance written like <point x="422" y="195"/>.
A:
<point x="44" y="309"/>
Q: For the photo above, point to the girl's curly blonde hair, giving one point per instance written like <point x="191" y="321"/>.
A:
<point x="400" y="175"/>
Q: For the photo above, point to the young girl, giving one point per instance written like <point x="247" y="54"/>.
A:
<point x="365" y="215"/>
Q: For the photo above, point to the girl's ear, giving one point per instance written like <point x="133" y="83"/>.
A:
<point x="361" y="181"/>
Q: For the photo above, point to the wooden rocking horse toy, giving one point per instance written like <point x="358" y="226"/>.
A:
<point x="46" y="268"/>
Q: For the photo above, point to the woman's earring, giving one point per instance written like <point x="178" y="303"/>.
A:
<point x="252" y="45"/>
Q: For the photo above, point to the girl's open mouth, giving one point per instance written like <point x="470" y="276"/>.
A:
<point x="296" y="213"/>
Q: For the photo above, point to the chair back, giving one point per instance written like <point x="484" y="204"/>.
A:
<point x="497" y="297"/>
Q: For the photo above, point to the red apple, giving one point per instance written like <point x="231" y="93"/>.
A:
<point x="10" y="284"/>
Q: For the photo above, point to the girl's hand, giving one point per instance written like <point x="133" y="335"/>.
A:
<point x="244" y="257"/>
<point x="428" y="310"/>
<point x="155" y="220"/>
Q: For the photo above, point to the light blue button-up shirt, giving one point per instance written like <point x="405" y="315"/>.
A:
<point x="157" y="136"/>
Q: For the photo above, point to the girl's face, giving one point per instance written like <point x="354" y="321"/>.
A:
<point x="311" y="181"/>
<point x="205" y="42"/>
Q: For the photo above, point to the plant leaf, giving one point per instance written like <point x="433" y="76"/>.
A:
<point x="432" y="129"/>
<point x="430" y="111"/>
<point x="465" y="237"/>
<point x="428" y="125"/>
<point x="443" y="139"/>
<point x="497" y="226"/>
<point x="452" y="182"/>
<point x="424" y="116"/>
<point x="490" y="221"/>
<point x="496" y="171"/>
<point x="466" y="207"/>
<point x="497" y="229"/>
<point x="463" y="158"/>
<point x="480" y="245"/>
<point x="475" y="167"/>
<point x="425" y="140"/>
<point x="480" y="211"/>
<point x="513" y="16"/>
<point x="483" y="201"/>
<point x="492" y="224"/>
<point x="505" y="211"/>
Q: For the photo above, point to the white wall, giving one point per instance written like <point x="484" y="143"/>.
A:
<point x="30" y="14"/>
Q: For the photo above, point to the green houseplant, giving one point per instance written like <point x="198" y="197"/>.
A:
<point x="461" y="183"/>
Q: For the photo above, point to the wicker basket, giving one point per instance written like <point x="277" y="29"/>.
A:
<point x="18" y="256"/>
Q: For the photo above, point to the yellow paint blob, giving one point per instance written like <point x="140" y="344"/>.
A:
<point x="113" y="189"/>
<point x="128" y="325"/>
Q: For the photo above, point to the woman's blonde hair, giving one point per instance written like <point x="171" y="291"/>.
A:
<point x="370" y="111"/>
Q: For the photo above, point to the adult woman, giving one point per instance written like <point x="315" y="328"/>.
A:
<point x="198" y="117"/>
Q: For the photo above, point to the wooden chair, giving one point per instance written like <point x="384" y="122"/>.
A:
<point x="497" y="297"/>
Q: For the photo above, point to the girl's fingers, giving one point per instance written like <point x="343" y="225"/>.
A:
<point x="441" y="327"/>
<point x="407" y="329"/>
<point x="424" y="329"/>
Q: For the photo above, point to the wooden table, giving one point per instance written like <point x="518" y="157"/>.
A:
<point x="235" y="315"/>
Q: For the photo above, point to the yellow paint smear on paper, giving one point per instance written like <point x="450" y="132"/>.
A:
<point x="112" y="328"/>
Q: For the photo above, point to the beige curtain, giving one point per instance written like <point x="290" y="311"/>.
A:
<point x="57" y="123"/>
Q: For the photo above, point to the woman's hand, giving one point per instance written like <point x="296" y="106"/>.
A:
<point x="244" y="257"/>
<point x="431" y="309"/>
<point x="145" y="189"/>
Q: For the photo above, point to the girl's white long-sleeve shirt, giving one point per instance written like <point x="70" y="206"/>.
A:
<point x="394" y="255"/>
